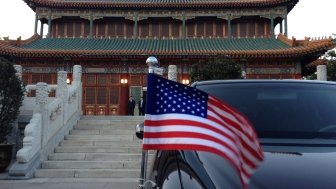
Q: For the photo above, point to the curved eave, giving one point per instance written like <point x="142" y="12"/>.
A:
<point x="160" y="5"/>
<point x="14" y="51"/>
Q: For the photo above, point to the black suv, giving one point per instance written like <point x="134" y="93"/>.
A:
<point x="296" y="123"/>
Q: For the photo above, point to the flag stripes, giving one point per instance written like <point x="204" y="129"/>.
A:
<point x="183" y="118"/>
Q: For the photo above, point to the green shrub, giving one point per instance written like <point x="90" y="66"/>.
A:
<point x="217" y="68"/>
<point x="11" y="96"/>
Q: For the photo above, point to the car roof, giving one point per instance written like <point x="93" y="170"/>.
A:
<point x="211" y="82"/>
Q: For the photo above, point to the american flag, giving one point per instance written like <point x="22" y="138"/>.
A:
<point x="179" y="117"/>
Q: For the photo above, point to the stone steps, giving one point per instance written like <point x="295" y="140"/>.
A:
<point x="88" y="173"/>
<point x="95" y="149"/>
<point x="98" y="147"/>
<point x="101" y="132"/>
<point x="100" y="143"/>
<point x="91" y="164"/>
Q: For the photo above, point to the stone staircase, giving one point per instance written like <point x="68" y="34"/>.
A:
<point x="98" y="147"/>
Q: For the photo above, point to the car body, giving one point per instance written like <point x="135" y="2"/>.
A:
<point x="295" y="121"/>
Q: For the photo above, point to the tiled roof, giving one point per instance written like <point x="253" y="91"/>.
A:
<point x="244" y="47"/>
<point x="159" y="3"/>
<point x="158" y="45"/>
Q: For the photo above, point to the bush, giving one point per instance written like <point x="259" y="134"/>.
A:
<point x="217" y="68"/>
<point x="11" y="96"/>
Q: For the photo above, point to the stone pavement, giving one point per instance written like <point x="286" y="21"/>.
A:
<point x="71" y="183"/>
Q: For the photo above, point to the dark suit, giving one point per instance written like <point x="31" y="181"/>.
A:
<point x="142" y="107"/>
<point x="131" y="106"/>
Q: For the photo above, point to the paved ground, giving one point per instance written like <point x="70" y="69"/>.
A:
<point x="43" y="183"/>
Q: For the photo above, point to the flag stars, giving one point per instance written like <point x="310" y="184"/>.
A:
<point x="173" y="98"/>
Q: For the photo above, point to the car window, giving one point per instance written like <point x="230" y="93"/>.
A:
<point x="291" y="110"/>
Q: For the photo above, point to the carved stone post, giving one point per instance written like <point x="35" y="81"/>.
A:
<point x="77" y="80"/>
<point x="77" y="73"/>
<point x="172" y="72"/>
<point x="62" y="92"/>
<point x="41" y="102"/>
<point x="321" y="72"/>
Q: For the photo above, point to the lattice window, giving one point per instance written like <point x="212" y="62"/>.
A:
<point x="115" y="79"/>
<point x="135" y="80"/>
<point x="90" y="95"/>
<point x="102" y="80"/>
<point x="114" y="95"/>
<point x="47" y="78"/>
<point x="101" y="95"/>
<point x="36" y="78"/>
<point x="90" y="80"/>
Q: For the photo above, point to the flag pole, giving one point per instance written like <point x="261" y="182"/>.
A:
<point x="153" y="65"/>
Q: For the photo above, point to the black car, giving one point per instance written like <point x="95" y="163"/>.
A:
<point x="296" y="123"/>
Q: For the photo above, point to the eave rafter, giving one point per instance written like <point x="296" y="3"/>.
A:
<point x="149" y="4"/>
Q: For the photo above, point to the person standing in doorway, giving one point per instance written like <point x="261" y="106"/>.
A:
<point x="131" y="106"/>
<point x="141" y="106"/>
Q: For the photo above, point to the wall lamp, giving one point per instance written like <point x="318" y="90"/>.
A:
<point x="185" y="81"/>
<point x="123" y="81"/>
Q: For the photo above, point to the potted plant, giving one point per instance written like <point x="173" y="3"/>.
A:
<point x="11" y="96"/>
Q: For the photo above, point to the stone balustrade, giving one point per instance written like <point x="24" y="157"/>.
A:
<point x="31" y="141"/>
<point x="52" y="119"/>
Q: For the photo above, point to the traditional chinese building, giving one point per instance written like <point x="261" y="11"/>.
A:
<point x="111" y="40"/>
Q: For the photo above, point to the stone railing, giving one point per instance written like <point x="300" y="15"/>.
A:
<point x="52" y="119"/>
